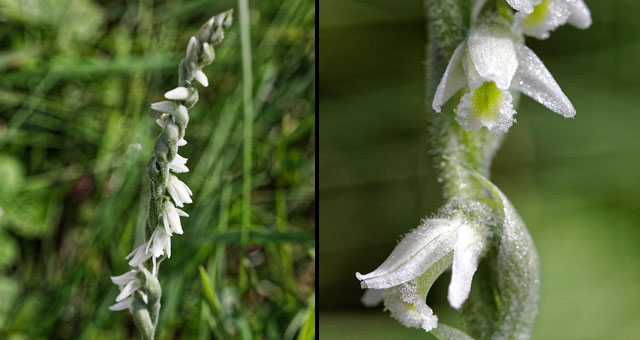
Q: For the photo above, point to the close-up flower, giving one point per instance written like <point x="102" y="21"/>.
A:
<point x="128" y="283"/>
<point x="426" y="252"/>
<point x="488" y="65"/>
<point x="179" y="191"/>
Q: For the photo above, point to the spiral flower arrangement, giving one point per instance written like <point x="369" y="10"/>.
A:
<point x="140" y="291"/>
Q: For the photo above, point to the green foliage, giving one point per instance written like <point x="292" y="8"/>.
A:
<point x="76" y="134"/>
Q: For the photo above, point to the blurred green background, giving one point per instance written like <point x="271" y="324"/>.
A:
<point x="575" y="182"/>
<point x="76" y="132"/>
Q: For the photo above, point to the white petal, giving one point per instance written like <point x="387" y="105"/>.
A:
<point x="525" y="6"/>
<point x="470" y="243"/>
<point x="417" y="251"/>
<point x="498" y="118"/>
<point x="160" y="122"/>
<point x="182" y="142"/>
<point x="179" y="93"/>
<point x="548" y="16"/>
<point x="202" y="78"/>
<point x="580" y="14"/>
<point x="179" y="191"/>
<point x="208" y="52"/>
<point x="123" y="279"/>
<point x="128" y="289"/>
<point x="161" y="241"/>
<point x="139" y="255"/>
<point x="407" y="302"/>
<point x="163" y="106"/>
<point x="452" y="80"/>
<point x="372" y="297"/>
<point x="122" y="305"/>
<point x="178" y="164"/>
<point x="178" y="168"/>
<point x="165" y="221"/>
<point x="533" y="79"/>
<point x="173" y="219"/>
<point x="493" y="56"/>
<point x="182" y="213"/>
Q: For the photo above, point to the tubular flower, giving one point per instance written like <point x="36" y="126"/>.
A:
<point x="171" y="219"/>
<point x="549" y="15"/>
<point x="128" y="283"/>
<point x="405" y="277"/>
<point x="180" y="192"/>
<point x="490" y="64"/>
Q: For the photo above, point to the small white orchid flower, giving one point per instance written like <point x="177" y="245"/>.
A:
<point x="171" y="219"/>
<point x="179" y="93"/>
<point x="128" y="283"/>
<point x="178" y="164"/>
<point x="164" y="106"/>
<point x="549" y="15"/>
<point x="406" y="276"/>
<point x="159" y="243"/>
<point x="138" y="255"/>
<point x="179" y="191"/>
<point x="202" y="78"/>
<point x="490" y="63"/>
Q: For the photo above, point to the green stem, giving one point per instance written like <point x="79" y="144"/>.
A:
<point x="503" y="300"/>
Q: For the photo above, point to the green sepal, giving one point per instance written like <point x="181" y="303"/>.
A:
<point x="511" y="280"/>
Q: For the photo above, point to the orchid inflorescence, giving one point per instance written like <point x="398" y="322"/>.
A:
<point x="140" y="290"/>
<point x="477" y="233"/>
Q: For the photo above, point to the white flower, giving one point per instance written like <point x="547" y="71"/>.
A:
<point x="179" y="93"/>
<point x="182" y="142"/>
<point x="128" y="283"/>
<point x="159" y="243"/>
<point x="138" y="255"/>
<point x="549" y="15"/>
<point x="490" y="64"/>
<point x="179" y="191"/>
<point x="164" y="106"/>
<point x="406" y="276"/>
<point x="171" y="218"/>
<point x="178" y="164"/>
<point x="202" y="78"/>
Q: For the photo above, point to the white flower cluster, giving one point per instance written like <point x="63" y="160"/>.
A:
<point x="159" y="243"/>
<point x="493" y="61"/>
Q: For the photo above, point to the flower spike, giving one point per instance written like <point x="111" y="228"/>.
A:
<point x="141" y="294"/>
